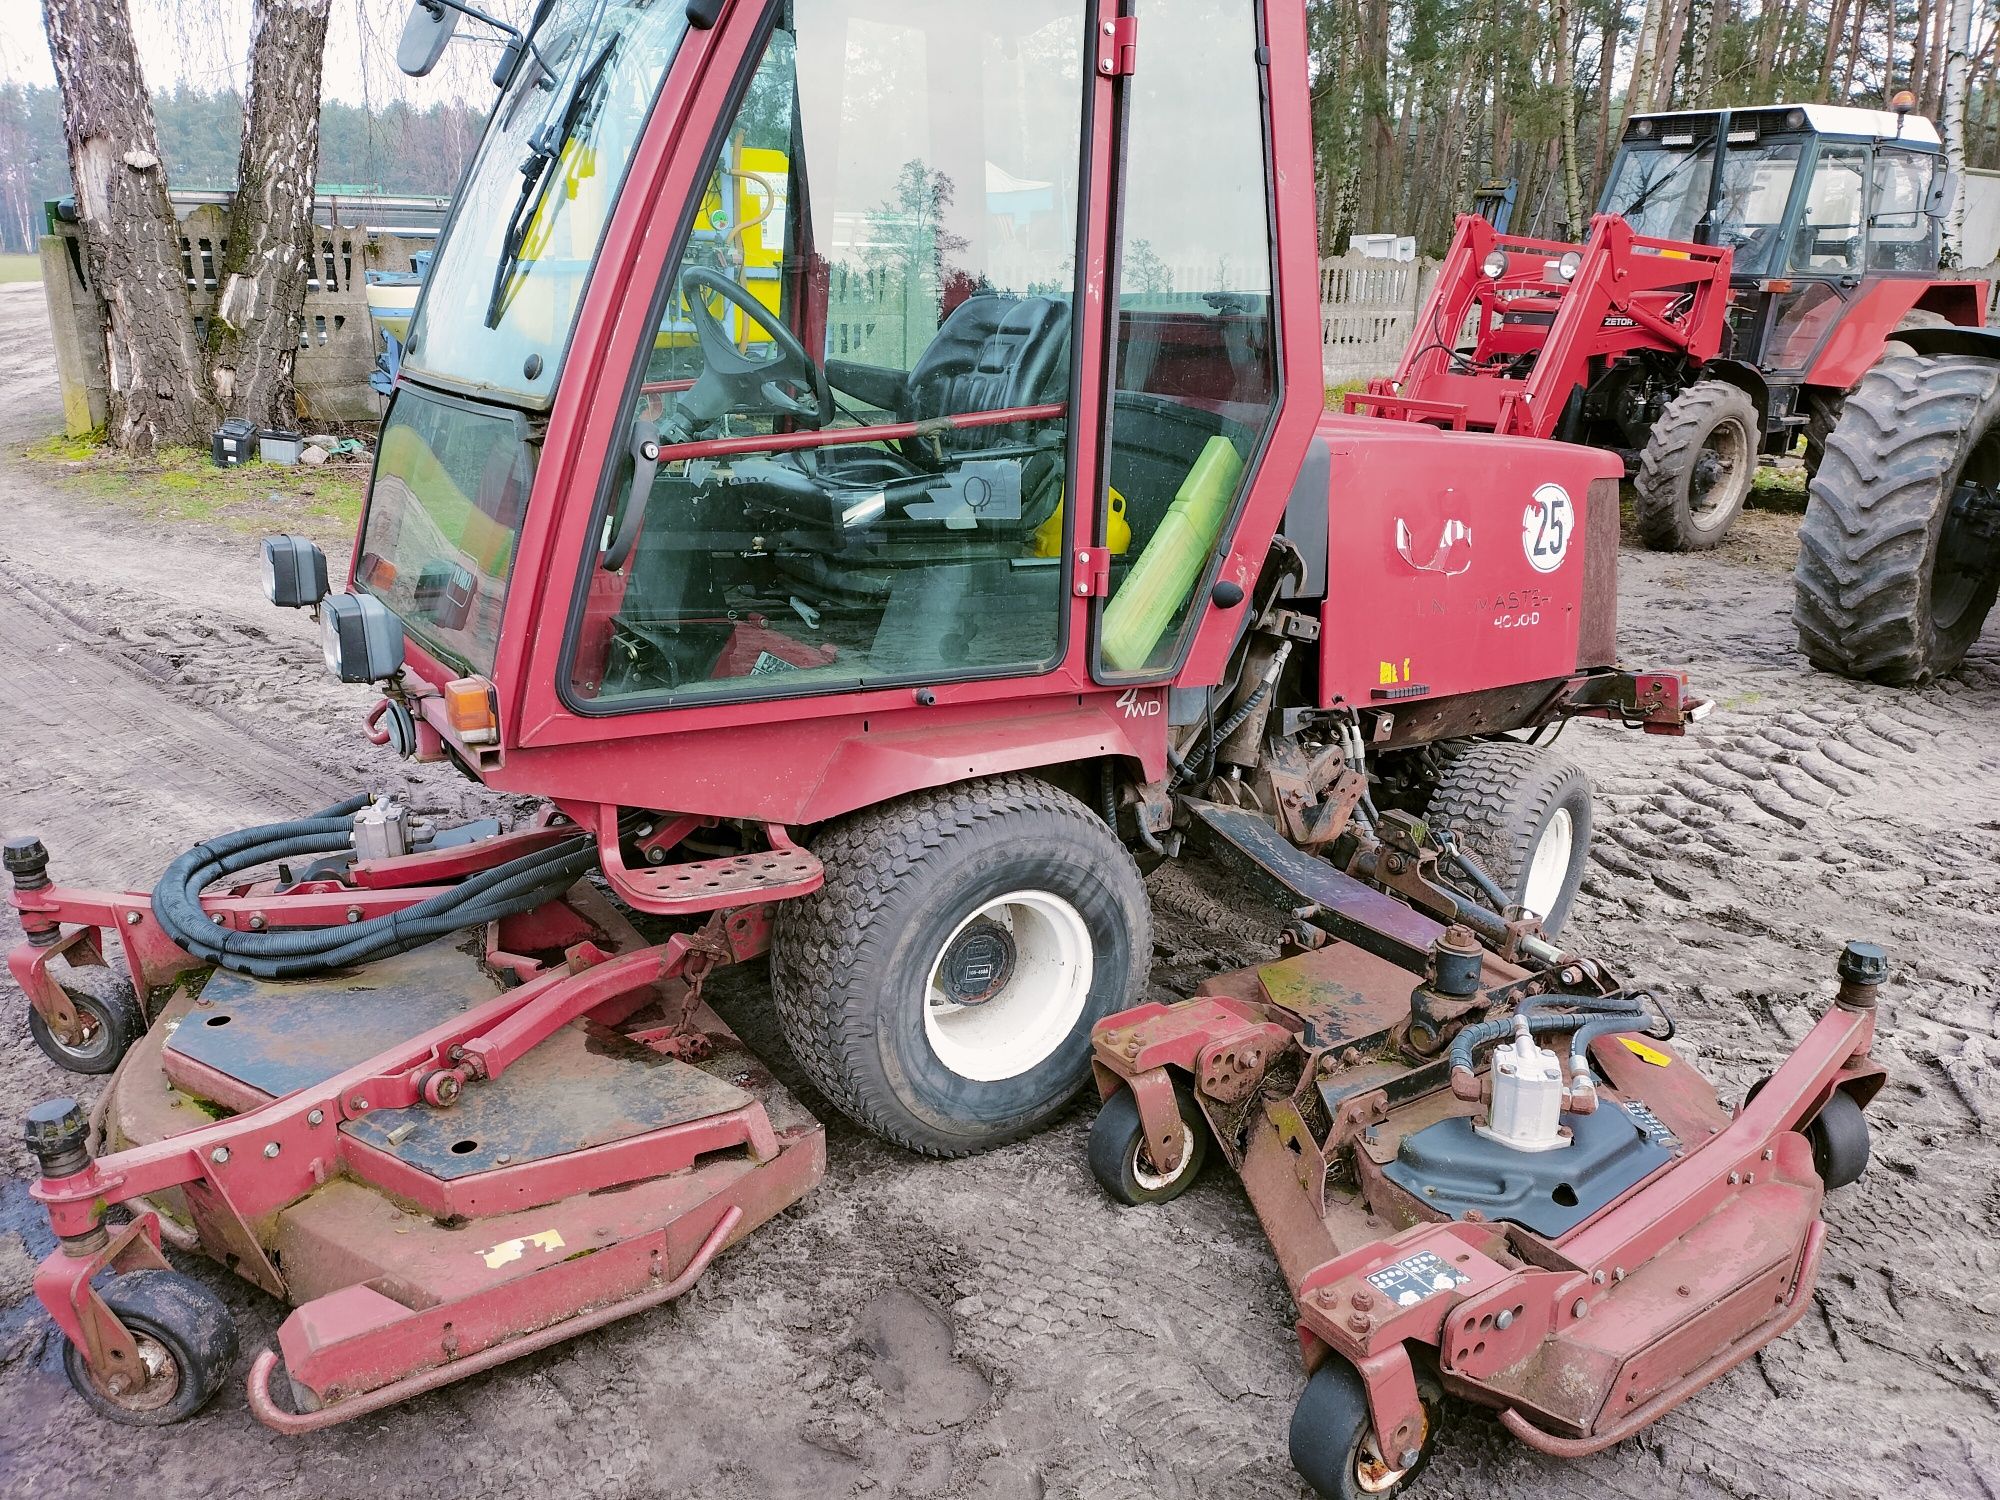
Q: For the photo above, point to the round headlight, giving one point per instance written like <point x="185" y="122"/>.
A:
<point x="1495" y="265"/>
<point x="294" y="572"/>
<point x="1569" y="265"/>
<point x="362" y="637"/>
<point x="1643" y="128"/>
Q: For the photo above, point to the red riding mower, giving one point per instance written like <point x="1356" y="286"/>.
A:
<point x="878" y="517"/>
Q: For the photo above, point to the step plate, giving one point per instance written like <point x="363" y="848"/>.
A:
<point x="583" y="1087"/>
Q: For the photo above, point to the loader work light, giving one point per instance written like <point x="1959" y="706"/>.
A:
<point x="1495" y="265"/>
<point x="363" y="638"/>
<point x="294" y="572"/>
<point x="1569" y="265"/>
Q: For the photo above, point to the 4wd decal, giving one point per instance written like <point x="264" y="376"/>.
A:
<point x="1546" y="526"/>
<point x="1142" y="703"/>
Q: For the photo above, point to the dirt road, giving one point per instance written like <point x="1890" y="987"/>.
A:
<point x="994" y="1328"/>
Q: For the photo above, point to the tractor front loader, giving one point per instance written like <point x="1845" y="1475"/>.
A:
<point x="1745" y="270"/>
<point x="863" y="465"/>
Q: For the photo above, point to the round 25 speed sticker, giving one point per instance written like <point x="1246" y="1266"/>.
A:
<point x="1546" y="526"/>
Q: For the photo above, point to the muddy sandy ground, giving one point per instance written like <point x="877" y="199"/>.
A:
<point x="994" y="1328"/>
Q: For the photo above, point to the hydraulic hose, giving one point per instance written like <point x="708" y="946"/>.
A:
<point x="1476" y="873"/>
<point x="518" y="886"/>
<point x="1589" y="1017"/>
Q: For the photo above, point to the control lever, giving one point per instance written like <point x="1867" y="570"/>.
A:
<point x="645" y="467"/>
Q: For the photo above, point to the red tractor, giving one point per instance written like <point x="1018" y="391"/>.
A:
<point x="1745" y="269"/>
<point x="863" y="463"/>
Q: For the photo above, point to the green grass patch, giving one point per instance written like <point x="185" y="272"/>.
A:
<point x="1780" y="486"/>
<point x="1334" y="393"/>
<point x="182" y="487"/>
<point x="15" y="268"/>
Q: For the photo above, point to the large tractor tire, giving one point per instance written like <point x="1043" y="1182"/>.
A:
<point x="1823" y="414"/>
<point x="1899" y="552"/>
<point x="1523" y="813"/>
<point x="1696" y="469"/>
<point x="941" y="987"/>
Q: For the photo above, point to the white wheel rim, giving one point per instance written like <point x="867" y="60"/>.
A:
<point x="1142" y="1169"/>
<point x="1550" y="866"/>
<point x="1034" y="1011"/>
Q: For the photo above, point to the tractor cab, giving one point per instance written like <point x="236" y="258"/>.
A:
<point x="1813" y="201"/>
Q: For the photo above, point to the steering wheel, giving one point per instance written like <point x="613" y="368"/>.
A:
<point x="733" y="381"/>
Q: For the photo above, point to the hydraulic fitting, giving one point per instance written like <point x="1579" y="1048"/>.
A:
<point x="1862" y="969"/>
<point x="1456" y="961"/>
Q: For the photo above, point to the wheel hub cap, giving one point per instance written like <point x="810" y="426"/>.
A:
<point x="978" y="964"/>
<point x="1008" y="986"/>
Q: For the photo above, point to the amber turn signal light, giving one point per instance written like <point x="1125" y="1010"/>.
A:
<point x="469" y="709"/>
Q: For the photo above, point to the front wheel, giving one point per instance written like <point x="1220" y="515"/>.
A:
<point x="941" y="987"/>
<point x="186" y="1340"/>
<point x="1697" y="466"/>
<point x="1333" y="1440"/>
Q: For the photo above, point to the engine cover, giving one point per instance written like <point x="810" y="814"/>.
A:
<point x="1451" y="1167"/>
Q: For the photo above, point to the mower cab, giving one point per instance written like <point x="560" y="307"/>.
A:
<point x="864" y="464"/>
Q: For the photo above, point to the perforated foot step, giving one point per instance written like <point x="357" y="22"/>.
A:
<point x="711" y="884"/>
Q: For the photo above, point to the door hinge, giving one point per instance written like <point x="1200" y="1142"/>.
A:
<point x="1118" y="47"/>
<point x="1092" y="573"/>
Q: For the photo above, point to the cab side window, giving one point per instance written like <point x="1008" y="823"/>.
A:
<point x="1902" y="235"/>
<point x="1830" y="234"/>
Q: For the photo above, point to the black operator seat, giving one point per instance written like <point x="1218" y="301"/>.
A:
<point x="993" y="352"/>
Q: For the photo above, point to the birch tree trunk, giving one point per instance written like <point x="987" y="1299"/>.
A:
<point x="1639" y="88"/>
<point x="1952" y="121"/>
<point x="1566" y="103"/>
<point x="158" y="386"/>
<point x="261" y="293"/>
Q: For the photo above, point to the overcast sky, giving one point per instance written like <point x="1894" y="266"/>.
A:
<point x="204" y="44"/>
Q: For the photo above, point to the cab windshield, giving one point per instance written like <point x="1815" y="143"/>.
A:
<point x="1660" y="190"/>
<point x="503" y="292"/>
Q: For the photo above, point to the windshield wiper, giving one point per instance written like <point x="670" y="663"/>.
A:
<point x="1646" y="193"/>
<point x="545" y="149"/>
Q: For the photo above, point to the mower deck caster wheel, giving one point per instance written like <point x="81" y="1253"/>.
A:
<point x="1333" y="1437"/>
<point x="1838" y="1135"/>
<point x="110" y="1025"/>
<point x="187" y="1342"/>
<point x="1118" y="1156"/>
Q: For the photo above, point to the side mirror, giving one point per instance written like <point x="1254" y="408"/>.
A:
<point x="1944" y="190"/>
<point x="425" y="36"/>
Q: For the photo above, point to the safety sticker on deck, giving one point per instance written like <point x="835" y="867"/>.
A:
<point x="509" y="1251"/>
<point x="1414" y="1278"/>
<point x="1644" y="1053"/>
<point x="1655" y="1128"/>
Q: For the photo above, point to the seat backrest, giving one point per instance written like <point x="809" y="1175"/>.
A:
<point x="993" y="352"/>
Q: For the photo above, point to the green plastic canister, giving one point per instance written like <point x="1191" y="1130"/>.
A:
<point x="1153" y="593"/>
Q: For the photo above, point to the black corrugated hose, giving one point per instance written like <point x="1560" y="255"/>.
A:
<point x="506" y="890"/>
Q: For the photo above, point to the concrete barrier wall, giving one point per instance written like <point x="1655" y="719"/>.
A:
<point x="337" y="346"/>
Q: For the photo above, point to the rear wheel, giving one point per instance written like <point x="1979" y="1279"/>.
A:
<point x="1696" y="469"/>
<point x="1899" y="552"/>
<point x="186" y="1341"/>
<point x="1333" y="1441"/>
<point x="1823" y="413"/>
<point x="941" y="987"/>
<point x="1522" y="812"/>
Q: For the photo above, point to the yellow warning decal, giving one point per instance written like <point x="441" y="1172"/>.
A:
<point x="509" y="1251"/>
<point x="1644" y="1053"/>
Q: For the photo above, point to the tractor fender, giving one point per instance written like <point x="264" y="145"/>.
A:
<point x="1978" y="343"/>
<point x="1746" y="377"/>
<point x="1874" y="317"/>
